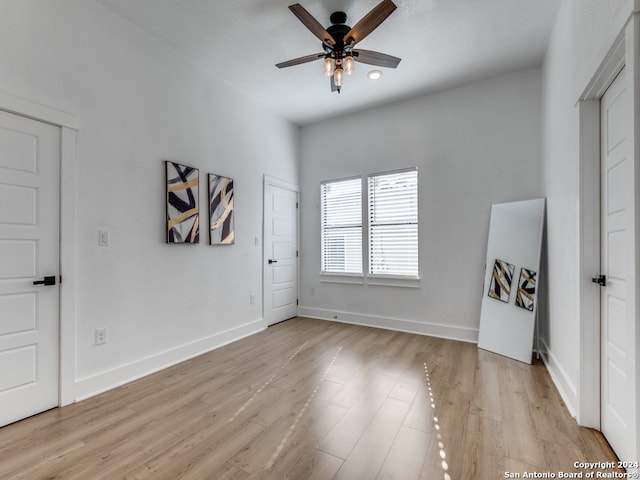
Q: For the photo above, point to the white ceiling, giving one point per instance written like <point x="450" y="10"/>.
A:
<point x="442" y="43"/>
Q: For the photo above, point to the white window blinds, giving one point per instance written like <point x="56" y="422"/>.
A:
<point x="341" y="214"/>
<point x="393" y="223"/>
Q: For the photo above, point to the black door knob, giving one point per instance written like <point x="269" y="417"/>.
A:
<point x="47" y="281"/>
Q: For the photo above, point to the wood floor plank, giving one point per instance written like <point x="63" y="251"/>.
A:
<point x="406" y="388"/>
<point x="312" y="465"/>
<point x="450" y="418"/>
<point x="433" y="467"/>
<point x="213" y="444"/>
<point x="367" y="457"/>
<point x="406" y="456"/>
<point x="482" y="459"/>
<point x="210" y="468"/>
<point x="420" y="416"/>
<point x="297" y="456"/>
<point x="486" y="398"/>
<point x="341" y="440"/>
<point x="310" y="399"/>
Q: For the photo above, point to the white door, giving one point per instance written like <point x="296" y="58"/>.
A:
<point x="280" y="253"/>
<point x="617" y="333"/>
<point x="29" y="184"/>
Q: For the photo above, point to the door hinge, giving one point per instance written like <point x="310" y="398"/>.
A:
<point x="297" y="302"/>
<point x="296" y="253"/>
<point x="296" y="204"/>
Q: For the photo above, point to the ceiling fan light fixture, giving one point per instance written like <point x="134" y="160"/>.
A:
<point x="337" y="76"/>
<point x="348" y="64"/>
<point x="329" y="66"/>
<point x="374" y="74"/>
<point x="338" y="42"/>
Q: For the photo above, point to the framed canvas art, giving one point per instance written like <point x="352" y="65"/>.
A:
<point x="526" y="289"/>
<point x="501" y="277"/>
<point x="182" y="203"/>
<point x="221" y="228"/>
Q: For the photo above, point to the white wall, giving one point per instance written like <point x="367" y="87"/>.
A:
<point x="138" y="103"/>
<point x="474" y="146"/>
<point x="582" y="35"/>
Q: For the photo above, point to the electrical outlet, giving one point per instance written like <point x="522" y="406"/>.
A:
<point x="101" y="336"/>
<point x="252" y="299"/>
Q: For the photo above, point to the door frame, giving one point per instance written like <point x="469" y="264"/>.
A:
<point x="623" y="53"/>
<point x="67" y="243"/>
<point x="293" y="187"/>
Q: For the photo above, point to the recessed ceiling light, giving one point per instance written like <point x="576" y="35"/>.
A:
<point x="374" y="74"/>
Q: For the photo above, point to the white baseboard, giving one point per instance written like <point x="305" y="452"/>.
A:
<point x="410" y="326"/>
<point x="101" y="382"/>
<point x="566" y="388"/>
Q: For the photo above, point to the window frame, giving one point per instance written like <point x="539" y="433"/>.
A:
<point x="365" y="276"/>
<point x="360" y="273"/>
<point x="417" y="224"/>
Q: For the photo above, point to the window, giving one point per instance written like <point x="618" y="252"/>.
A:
<point x="393" y="223"/>
<point x="341" y="213"/>
<point x="391" y="231"/>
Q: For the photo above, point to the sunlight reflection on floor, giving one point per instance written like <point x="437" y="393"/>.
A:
<point x="436" y="425"/>
<point x="268" y="382"/>
<point x="293" y="426"/>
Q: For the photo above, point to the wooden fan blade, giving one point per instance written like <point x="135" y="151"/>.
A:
<point x="312" y="24"/>
<point x="300" y="60"/>
<point x="370" y="21"/>
<point x="376" y="58"/>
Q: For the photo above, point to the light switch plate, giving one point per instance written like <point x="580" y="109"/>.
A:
<point x="100" y="336"/>
<point x="103" y="238"/>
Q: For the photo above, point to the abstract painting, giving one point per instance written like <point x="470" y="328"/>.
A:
<point x="182" y="203"/>
<point x="501" y="278"/>
<point x="526" y="289"/>
<point x="221" y="231"/>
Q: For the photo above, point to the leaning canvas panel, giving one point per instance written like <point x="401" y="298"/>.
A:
<point x="221" y="228"/>
<point x="183" y="219"/>
<point x="526" y="289"/>
<point x="501" y="279"/>
<point x="515" y="234"/>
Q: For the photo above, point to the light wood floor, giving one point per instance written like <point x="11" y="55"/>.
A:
<point x="308" y="399"/>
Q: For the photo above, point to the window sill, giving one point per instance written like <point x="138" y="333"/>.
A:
<point x="394" y="281"/>
<point x="353" y="278"/>
<point x="373" y="280"/>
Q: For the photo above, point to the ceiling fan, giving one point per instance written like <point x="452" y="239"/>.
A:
<point x="339" y="39"/>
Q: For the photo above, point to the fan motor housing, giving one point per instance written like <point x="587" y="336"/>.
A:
<point x="337" y="31"/>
